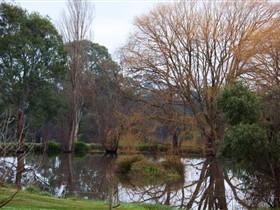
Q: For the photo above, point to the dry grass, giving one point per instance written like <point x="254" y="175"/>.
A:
<point x="129" y="143"/>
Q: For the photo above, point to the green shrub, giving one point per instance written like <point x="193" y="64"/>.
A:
<point x="147" y="169"/>
<point x="244" y="143"/>
<point x="53" y="147"/>
<point x="142" y="173"/>
<point x="143" y="147"/>
<point x="37" y="147"/>
<point x="239" y="104"/>
<point x="163" y="147"/>
<point x="153" y="147"/>
<point x="124" y="163"/>
<point x="148" y="148"/>
<point x="147" y="172"/>
<point x="81" y="148"/>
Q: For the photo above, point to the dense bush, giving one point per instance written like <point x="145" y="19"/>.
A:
<point x="124" y="163"/>
<point x="81" y="148"/>
<point x="244" y="141"/>
<point x="53" y="147"/>
<point x="153" y="147"/>
<point x="239" y="104"/>
<point x="251" y="138"/>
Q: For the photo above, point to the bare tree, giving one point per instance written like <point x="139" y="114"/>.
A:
<point x="262" y="52"/>
<point x="76" y="25"/>
<point x="6" y="120"/>
<point x="6" y="140"/>
<point x="194" y="49"/>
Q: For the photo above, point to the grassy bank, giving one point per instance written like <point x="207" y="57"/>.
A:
<point x="82" y="148"/>
<point x="26" y="200"/>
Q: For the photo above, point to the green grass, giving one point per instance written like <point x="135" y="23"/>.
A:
<point x="31" y="201"/>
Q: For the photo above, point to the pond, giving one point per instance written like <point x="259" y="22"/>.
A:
<point x="206" y="183"/>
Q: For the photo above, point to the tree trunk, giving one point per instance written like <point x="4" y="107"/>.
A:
<point x="74" y="129"/>
<point x="111" y="143"/>
<point x="175" y="142"/>
<point x="112" y="183"/>
<point x="220" y="193"/>
<point x="19" y="130"/>
<point x="276" y="200"/>
<point x="71" y="180"/>
<point x="63" y="134"/>
<point x="45" y="138"/>
<point x="68" y="175"/>
<point x="72" y="136"/>
<point x="19" y="169"/>
<point x="209" y="191"/>
<point x="210" y="149"/>
<point x="167" y="200"/>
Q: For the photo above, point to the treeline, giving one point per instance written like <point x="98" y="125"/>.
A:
<point x="60" y="86"/>
<point x="172" y="69"/>
<point x="50" y="88"/>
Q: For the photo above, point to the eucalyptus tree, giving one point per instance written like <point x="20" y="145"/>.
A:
<point x="101" y="91"/>
<point x="31" y="61"/>
<point x="75" y="27"/>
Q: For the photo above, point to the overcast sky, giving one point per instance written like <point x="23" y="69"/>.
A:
<point x="113" y="18"/>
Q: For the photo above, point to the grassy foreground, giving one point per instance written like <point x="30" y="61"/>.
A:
<point x="31" y="201"/>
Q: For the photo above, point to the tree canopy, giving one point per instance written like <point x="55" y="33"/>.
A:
<point x="31" y="59"/>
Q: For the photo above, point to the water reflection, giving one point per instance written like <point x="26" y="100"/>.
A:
<point x="206" y="184"/>
<point x="203" y="187"/>
<point x="209" y="190"/>
<point x="258" y="187"/>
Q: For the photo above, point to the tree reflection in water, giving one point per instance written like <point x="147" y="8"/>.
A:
<point x="87" y="177"/>
<point x="205" y="191"/>
<point x="258" y="185"/>
<point x="209" y="191"/>
<point x="204" y="185"/>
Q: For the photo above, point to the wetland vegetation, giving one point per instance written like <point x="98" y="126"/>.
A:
<point x="185" y="117"/>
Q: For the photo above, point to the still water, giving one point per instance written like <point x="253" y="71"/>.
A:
<point x="206" y="184"/>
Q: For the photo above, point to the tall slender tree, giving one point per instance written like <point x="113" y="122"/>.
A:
<point x="75" y="27"/>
